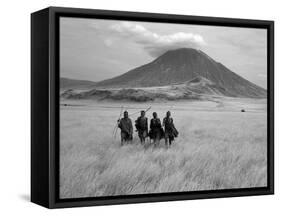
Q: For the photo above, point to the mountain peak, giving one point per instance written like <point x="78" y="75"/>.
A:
<point x="182" y="51"/>
<point x="183" y="55"/>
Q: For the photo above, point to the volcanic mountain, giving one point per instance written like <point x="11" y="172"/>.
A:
<point x="186" y="66"/>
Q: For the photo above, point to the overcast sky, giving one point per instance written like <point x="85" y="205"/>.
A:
<point x="95" y="49"/>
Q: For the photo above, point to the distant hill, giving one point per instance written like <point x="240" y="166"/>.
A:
<point x="66" y="83"/>
<point x="178" y="92"/>
<point x="187" y="65"/>
<point x="198" y="88"/>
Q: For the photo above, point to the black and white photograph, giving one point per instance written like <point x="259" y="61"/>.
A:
<point x="151" y="107"/>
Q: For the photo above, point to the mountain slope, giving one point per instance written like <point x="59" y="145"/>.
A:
<point x="201" y="85"/>
<point x="182" y="65"/>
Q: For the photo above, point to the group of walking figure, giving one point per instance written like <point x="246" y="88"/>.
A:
<point x="158" y="131"/>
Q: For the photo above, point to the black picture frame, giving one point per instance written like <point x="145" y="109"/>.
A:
<point x="45" y="106"/>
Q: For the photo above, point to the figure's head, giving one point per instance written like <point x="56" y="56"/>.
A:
<point x="154" y="115"/>
<point x="142" y="113"/>
<point x="168" y="114"/>
<point x="126" y="115"/>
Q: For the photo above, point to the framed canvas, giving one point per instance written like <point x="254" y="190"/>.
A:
<point x="138" y="107"/>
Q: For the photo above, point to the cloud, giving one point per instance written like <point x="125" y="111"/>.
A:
<point x="156" y="44"/>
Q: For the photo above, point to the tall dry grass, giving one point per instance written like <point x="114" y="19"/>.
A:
<point x="215" y="150"/>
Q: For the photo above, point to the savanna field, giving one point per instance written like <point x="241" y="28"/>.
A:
<point x="219" y="147"/>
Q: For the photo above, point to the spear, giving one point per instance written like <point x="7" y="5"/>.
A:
<point x="116" y="126"/>
<point x="139" y="111"/>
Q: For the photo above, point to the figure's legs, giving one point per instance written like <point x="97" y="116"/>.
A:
<point x="130" y="139"/>
<point x="157" y="139"/>
<point x="142" y="137"/>
<point x="125" y="138"/>
<point x="154" y="142"/>
<point x="166" y="140"/>
<point x="170" y="141"/>
<point x="122" y="139"/>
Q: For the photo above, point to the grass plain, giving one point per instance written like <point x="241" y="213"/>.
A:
<point x="219" y="147"/>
